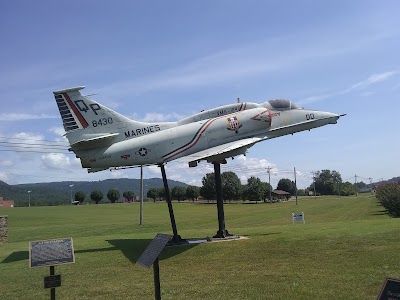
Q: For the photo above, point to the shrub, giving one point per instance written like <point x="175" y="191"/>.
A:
<point x="389" y="196"/>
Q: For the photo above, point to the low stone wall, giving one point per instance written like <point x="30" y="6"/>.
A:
<point x="3" y="229"/>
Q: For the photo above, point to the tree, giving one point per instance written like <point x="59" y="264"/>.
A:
<point x="113" y="195"/>
<point x="360" y="185"/>
<point x="326" y="182"/>
<point x="128" y="195"/>
<point x="389" y="197"/>
<point x="80" y="197"/>
<point x="178" y="192"/>
<point x="161" y="193"/>
<point x="301" y="192"/>
<point x="255" y="189"/>
<point x="96" y="196"/>
<point x="192" y="192"/>
<point x="286" y="185"/>
<point x="231" y="186"/>
<point x="267" y="188"/>
<point x="153" y="193"/>
<point x="347" y="189"/>
<point x="207" y="191"/>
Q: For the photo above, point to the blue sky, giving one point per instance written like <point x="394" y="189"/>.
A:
<point x="163" y="60"/>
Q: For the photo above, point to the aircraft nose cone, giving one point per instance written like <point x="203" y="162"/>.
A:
<point x="333" y="117"/>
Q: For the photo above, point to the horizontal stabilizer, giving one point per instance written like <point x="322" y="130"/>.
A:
<point x="94" y="142"/>
<point x="94" y="170"/>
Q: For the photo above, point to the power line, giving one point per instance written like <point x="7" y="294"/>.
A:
<point x="34" y="151"/>
<point x="31" y="144"/>
<point x="28" y="146"/>
<point x="29" y="139"/>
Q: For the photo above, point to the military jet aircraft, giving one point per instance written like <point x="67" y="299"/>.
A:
<point x="103" y="138"/>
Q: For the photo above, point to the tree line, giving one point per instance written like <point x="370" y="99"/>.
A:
<point x="325" y="182"/>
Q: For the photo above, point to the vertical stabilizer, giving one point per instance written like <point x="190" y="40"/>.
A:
<point x="80" y="112"/>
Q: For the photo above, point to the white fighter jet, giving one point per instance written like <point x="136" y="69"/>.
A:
<point x="103" y="138"/>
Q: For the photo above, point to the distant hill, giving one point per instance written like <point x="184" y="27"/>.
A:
<point x="59" y="192"/>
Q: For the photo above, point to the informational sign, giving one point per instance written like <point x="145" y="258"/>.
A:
<point x="51" y="252"/>
<point x="153" y="250"/>
<point x="52" y="281"/>
<point x="298" y="217"/>
<point x="390" y="290"/>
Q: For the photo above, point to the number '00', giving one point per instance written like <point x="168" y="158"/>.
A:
<point x="310" y="116"/>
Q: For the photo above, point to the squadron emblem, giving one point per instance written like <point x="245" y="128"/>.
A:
<point x="233" y="123"/>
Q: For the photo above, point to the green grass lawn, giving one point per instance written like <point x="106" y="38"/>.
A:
<point x="346" y="249"/>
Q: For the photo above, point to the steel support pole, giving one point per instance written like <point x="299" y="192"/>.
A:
<point x="141" y="196"/>
<point x="157" y="285"/>
<point x="52" y="290"/>
<point x="222" y="232"/>
<point x="176" y="238"/>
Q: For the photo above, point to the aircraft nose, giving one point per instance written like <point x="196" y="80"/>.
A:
<point x="333" y="117"/>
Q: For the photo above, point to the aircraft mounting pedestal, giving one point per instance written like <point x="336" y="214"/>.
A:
<point x="222" y="232"/>
<point x="176" y="239"/>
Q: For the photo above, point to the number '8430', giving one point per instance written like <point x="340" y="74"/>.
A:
<point x="102" y="122"/>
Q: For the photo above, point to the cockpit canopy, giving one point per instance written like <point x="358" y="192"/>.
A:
<point x="281" y="104"/>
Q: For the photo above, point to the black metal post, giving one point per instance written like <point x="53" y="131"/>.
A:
<point x="221" y="233"/>
<point x="176" y="238"/>
<point x="157" y="285"/>
<point x="52" y="290"/>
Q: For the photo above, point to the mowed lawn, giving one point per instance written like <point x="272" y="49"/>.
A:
<point x="346" y="249"/>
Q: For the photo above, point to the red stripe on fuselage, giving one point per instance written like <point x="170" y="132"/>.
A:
<point x="199" y="136"/>
<point x="76" y="111"/>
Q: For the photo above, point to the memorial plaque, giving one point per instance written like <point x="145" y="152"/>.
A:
<point x="52" y="281"/>
<point x="51" y="252"/>
<point x="153" y="250"/>
<point x="390" y="290"/>
<point x="298" y="217"/>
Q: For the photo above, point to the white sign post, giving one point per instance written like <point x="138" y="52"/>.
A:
<point x="298" y="217"/>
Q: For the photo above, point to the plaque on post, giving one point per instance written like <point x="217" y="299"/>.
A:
<point x="51" y="253"/>
<point x="150" y="257"/>
<point x="153" y="250"/>
<point x="298" y="217"/>
<point x="390" y="289"/>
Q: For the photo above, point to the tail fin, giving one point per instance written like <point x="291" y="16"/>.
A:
<point x="87" y="123"/>
<point x="80" y="112"/>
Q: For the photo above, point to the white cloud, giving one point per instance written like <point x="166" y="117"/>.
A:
<point x="372" y="79"/>
<point x="262" y="57"/>
<point x="23" y="116"/>
<point x="58" y="130"/>
<point x="6" y="163"/>
<point x="4" y="177"/>
<point x="157" y="117"/>
<point x="244" y="167"/>
<point x="58" y="161"/>
<point x="359" y="86"/>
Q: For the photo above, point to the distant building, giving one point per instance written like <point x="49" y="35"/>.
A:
<point x="281" y="194"/>
<point x="6" y="203"/>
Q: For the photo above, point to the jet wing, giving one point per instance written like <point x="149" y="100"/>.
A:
<point x="221" y="152"/>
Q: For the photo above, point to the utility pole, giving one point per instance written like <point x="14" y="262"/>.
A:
<point x="315" y="193"/>
<point x="295" y="183"/>
<point x="355" y="184"/>
<point x="269" y="182"/>
<point x="70" y="188"/>
<point x="141" y="196"/>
